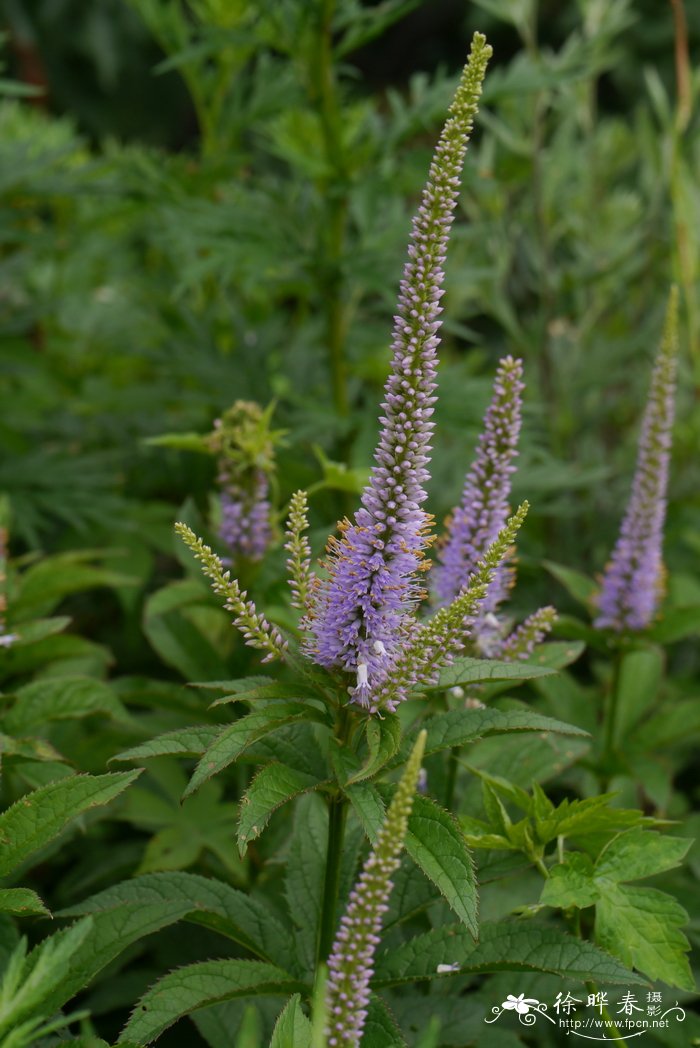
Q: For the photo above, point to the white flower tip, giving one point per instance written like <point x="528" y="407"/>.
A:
<point x="362" y="674"/>
<point x="457" y="692"/>
<point x="443" y="969"/>
<point x="378" y="647"/>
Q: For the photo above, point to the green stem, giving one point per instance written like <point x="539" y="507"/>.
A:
<point x="337" y="811"/>
<point x="452" y="765"/>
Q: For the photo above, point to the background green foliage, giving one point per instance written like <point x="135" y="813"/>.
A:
<point x="206" y="202"/>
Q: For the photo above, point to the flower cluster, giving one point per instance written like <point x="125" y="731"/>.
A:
<point x="360" y="617"/>
<point x="352" y="956"/>
<point x="244" y="446"/>
<point x="362" y="609"/>
<point x="633" y="579"/>
<point x="483" y="510"/>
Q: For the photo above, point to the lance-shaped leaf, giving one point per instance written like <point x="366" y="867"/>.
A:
<point x="22" y="902"/>
<point x="469" y="671"/>
<point x="204" y="901"/>
<point x="183" y="742"/>
<point x="62" y="698"/>
<point x="35" y="819"/>
<point x="436" y="844"/>
<point x="272" y="787"/>
<point x="292" y="1028"/>
<point x="228" y="746"/>
<point x="199" y="985"/>
<point x="515" y="946"/>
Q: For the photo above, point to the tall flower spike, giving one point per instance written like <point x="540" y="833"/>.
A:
<point x="350" y="963"/>
<point x="632" y="582"/>
<point x="373" y="568"/>
<point x="483" y="511"/>
<point x="258" y="632"/>
<point x="301" y="577"/>
<point x="436" y="643"/>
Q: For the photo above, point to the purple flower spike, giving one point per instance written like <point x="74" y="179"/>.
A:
<point x="483" y="511"/>
<point x="633" y="579"/>
<point x="373" y="569"/>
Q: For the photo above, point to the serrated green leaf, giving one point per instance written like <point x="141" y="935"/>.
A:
<point x="183" y="742"/>
<point x="198" y="985"/>
<point x="272" y="787"/>
<point x="235" y="739"/>
<point x="22" y="902"/>
<point x="263" y="693"/>
<point x="476" y="671"/>
<point x="458" y="727"/>
<point x="38" y="817"/>
<point x="516" y="946"/>
<point x="383" y="737"/>
<point x="369" y="807"/>
<point x="211" y="903"/>
<point x="381" y="1029"/>
<point x="292" y="1029"/>
<point x="62" y="698"/>
<point x="641" y="927"/>
<point x="303" y="885"/>
<point x="436" y="844"/>
<point x="638" y="853"/>
<point x="571" y="883"/>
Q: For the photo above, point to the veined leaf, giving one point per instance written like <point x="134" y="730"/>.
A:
<point x="183" y="742"/>
<point x="381" y="1029"/>
<point x="292" y="1029"/>
<point x="235" y="739"/>
<point x="22" y="902"/>
<point x="516" y="946"/>
<point x="436" y="844"/>
<point x="383" y="737"/>
<point x="198" y="985"/>
<point x="641" y="926"/>
<point x="263" y="693"/>
<point x="62" y="698"/>
<point x="38" y="817"/>
<point x="369" y="807"/>
<point x="571" y="883"/>
<point x="206" y="901"/>
<point x="458" y="727"/>
<point x="273" y="786"/>
<point x="638" y="853"/>
<point x="303" y="882"/>
<point x="476" y="671"/>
